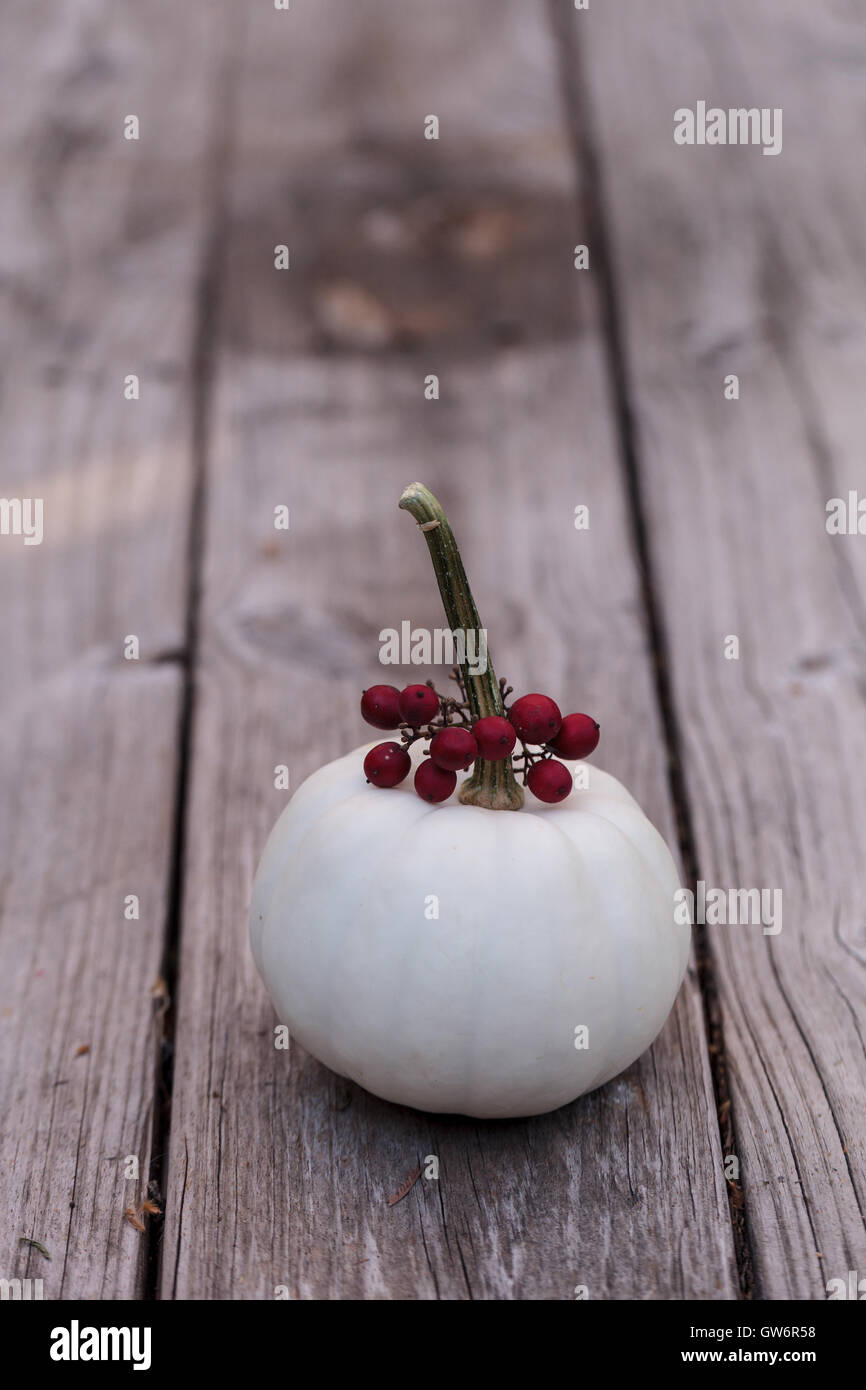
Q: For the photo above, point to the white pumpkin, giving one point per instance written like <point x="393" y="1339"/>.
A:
<point x="551" y="920"/>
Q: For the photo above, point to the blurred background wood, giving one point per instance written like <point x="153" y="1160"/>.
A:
<point x="101" y="243"/>
<point x="306" y="388"/>
<point x="729" y="261"/>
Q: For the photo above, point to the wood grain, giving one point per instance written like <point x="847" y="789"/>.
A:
<point x="729" y="261"/>
<point x="409" y="257"/>
<point x="99" y="256"/>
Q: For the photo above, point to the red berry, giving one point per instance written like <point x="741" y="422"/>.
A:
<point x="453" y="749"/>
<point x="380" y="708"/>
<point x="495" y="737"/>
<point x="577" y="737"/>
<point x="387" y="764"/>
<point x="549" y="780"/>
<point x="418" y="705"/>
<point x="433" y="783"/>
<point x="536" y="718"/>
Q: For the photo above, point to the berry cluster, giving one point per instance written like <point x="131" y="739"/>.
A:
<point x="455" y="741"/>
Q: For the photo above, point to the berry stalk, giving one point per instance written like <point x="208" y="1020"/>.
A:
<point x="492" y="784"/>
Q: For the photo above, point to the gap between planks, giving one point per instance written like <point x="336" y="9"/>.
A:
<point x="205" y="330"/>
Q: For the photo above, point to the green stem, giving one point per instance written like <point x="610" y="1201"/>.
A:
<point x="491" y="784"/>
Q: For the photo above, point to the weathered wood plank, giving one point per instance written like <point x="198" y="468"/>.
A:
<point x="409" y="257"/>
<point x="728" y="261"/>
<point x="99" y="258"/>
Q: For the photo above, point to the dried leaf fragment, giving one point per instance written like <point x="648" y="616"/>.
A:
<point x="406" y="1188"/>
<point x="35" y="1245"/>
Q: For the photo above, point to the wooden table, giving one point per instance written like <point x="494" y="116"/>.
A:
<point x="147" y="1041"/>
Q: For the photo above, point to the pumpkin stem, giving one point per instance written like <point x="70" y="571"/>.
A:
<point x="490" y="784"/>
